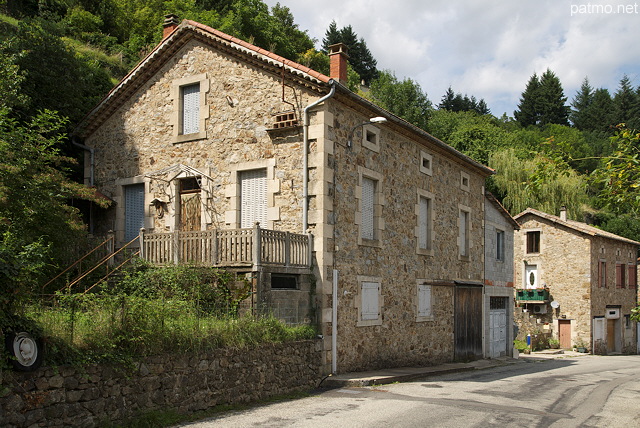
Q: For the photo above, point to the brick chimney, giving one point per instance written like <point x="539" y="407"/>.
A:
<point x="171" y="22"/>
<point x="338" y="62"/>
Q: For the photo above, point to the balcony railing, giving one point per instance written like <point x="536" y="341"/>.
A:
<point x="532" y="295"/>
<point x="228" y="248"/>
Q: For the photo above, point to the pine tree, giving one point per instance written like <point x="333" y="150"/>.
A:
<point x="599" y="114"/>
<point x="360" y="56"/>
<point x="552" y="101"/>
<point x="625" y="102"/>
<point x="580" y="104"/>
<point x="527" y="113"/>
<point x="447" y="101"/>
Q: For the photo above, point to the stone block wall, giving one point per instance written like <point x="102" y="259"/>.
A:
<point x="88" y="396"/>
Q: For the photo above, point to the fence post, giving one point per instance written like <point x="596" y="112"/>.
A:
<point x="176" y="247"/>
<point x="257" y="245"/>
<point x="216" y="248"/>
<point x="287" y="249"/>
<point x="309" y="248"/>
<point x="111" y="246"/>
<point x="142" y="230"/>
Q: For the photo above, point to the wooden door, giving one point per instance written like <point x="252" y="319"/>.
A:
<point x="468" y="323"/>
<point x="564" y="333"/>
<point x="611" y="335"/>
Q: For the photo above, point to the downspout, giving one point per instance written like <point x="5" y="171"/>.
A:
<point x="305" y="155"/>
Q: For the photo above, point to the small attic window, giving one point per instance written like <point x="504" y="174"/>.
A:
<point x="464" y="181"/>
<point x="426" y="163"/>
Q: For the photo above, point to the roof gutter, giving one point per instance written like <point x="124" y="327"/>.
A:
<point x="305" y="155"/>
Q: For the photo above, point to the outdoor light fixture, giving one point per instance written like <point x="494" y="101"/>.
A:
<point x="377" y="119"/>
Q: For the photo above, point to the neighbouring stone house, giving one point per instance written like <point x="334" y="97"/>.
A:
<point x="499" y="229"/>
<point x="368" y="225"/>
<point x="578" y="282"/>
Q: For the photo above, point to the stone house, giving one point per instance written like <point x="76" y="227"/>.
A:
<point x="499" y="229"/>
<point x="339" y="212"/>
<point x="578" y="282"/>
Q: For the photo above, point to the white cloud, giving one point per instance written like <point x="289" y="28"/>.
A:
<point x="485" y="48"/>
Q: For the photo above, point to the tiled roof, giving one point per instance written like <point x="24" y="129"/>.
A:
<point x="575" y="225"/>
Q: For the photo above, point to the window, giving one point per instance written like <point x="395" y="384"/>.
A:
<point x="533" y="242"/>
<point x="464" y="181"/>
<point x="425" y="222"/>
<point x="463" y="244"/>
<point x="190" y="104"/>
<point x="190" y="110"/>
<point x="369" y="301"/>
<point x="284" y="282"/>
<point x="620" y="268"/>
<point x="632" y="275"/>
<point x="426" y="163"/>
<point x="602" y="274"/>
<point x="133" y="210"/>
<point x="424" y="302"/>
<point x="370" y="200"/>
<point x="371" y="138"/>
<point x="500" y="245"/>
<point x="253" y="197"/>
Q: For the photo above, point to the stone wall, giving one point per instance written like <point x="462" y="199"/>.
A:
<point x="88" y="396"/>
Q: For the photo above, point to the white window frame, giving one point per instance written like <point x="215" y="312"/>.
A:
<point x="177" y="87"/>
<point x="424" y="301"/>
<point x="378" y="204"/>
<point x="366" y="287"/>
<point x="424" y="226"/>
<point x="464" y="232"/>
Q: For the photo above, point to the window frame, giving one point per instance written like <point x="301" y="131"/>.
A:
<point x="377" y="207"/>
<point x="427" y="223"/>
<point x="177" y="119"/>
<point x="532" y="246"/>
<point x="464" y="240"/>
<point x="620" y="275"/>
<point x="374" y="131"/>
<point x="602" y="273"/>
<point x="427" y="170"/>
<point x="500" y="245"/>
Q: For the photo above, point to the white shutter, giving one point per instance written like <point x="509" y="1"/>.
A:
<point x="599" y="329"/>
<point x="424" y="300"/>
<point x="423" y="226"/>
<point x="133" y="210"/>
<point x="370" y="295"/>
<point x="253" y="198"/>
<point x="190" y="108"/>
<point x="368" y="198"/>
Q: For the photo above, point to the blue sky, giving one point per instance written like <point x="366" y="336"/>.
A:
<point x="488" y="48"/>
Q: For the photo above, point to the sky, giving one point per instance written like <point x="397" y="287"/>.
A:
<point x="488" y="48"/>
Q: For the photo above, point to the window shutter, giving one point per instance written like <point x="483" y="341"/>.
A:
<point x="423" y="226"/>
<point x="619" y="276"/>
<point x="133" y="210"/>
<point x="598" y="329"/>
<point x="190" y="108"/>
<point x="253" y="197"/>
<point x="632" y="276"/>
<point x="370" y="294"/>
<point x="368" y="198"/>
<point x="424" y="300"/>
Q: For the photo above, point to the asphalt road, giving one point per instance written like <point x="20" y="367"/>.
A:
<point x="585" y="391"/>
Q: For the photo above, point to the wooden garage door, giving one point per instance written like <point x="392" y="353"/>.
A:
<point x="468" y="322"/>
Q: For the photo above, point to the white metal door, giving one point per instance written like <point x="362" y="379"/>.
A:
<point x="531" y="276"/>
<point x="497" y="332"/>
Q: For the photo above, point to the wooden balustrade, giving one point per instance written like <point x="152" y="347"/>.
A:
<point x="233" y="247"/>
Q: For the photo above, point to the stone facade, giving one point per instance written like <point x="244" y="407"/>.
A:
<point x="95" y="395"/>
<point x="592" y="309"/>
<point x="397" y="211"/>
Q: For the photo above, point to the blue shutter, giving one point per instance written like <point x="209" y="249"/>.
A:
<point x="133" y="210"/>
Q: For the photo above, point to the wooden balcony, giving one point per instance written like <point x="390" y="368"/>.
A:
<point x="255" y="248"/>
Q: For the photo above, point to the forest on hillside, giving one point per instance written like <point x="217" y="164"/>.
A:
<point x="58" y="58"/>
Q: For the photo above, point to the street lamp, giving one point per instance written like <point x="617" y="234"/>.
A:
<point x="377" y="119"/>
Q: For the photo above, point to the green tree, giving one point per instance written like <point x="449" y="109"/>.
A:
<point x="403" y="98"/>
<point x="581" y="103"/>
<point x="543" y="102"/>
<point x="360" y="56"/>
<point x="625" y="103"/>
